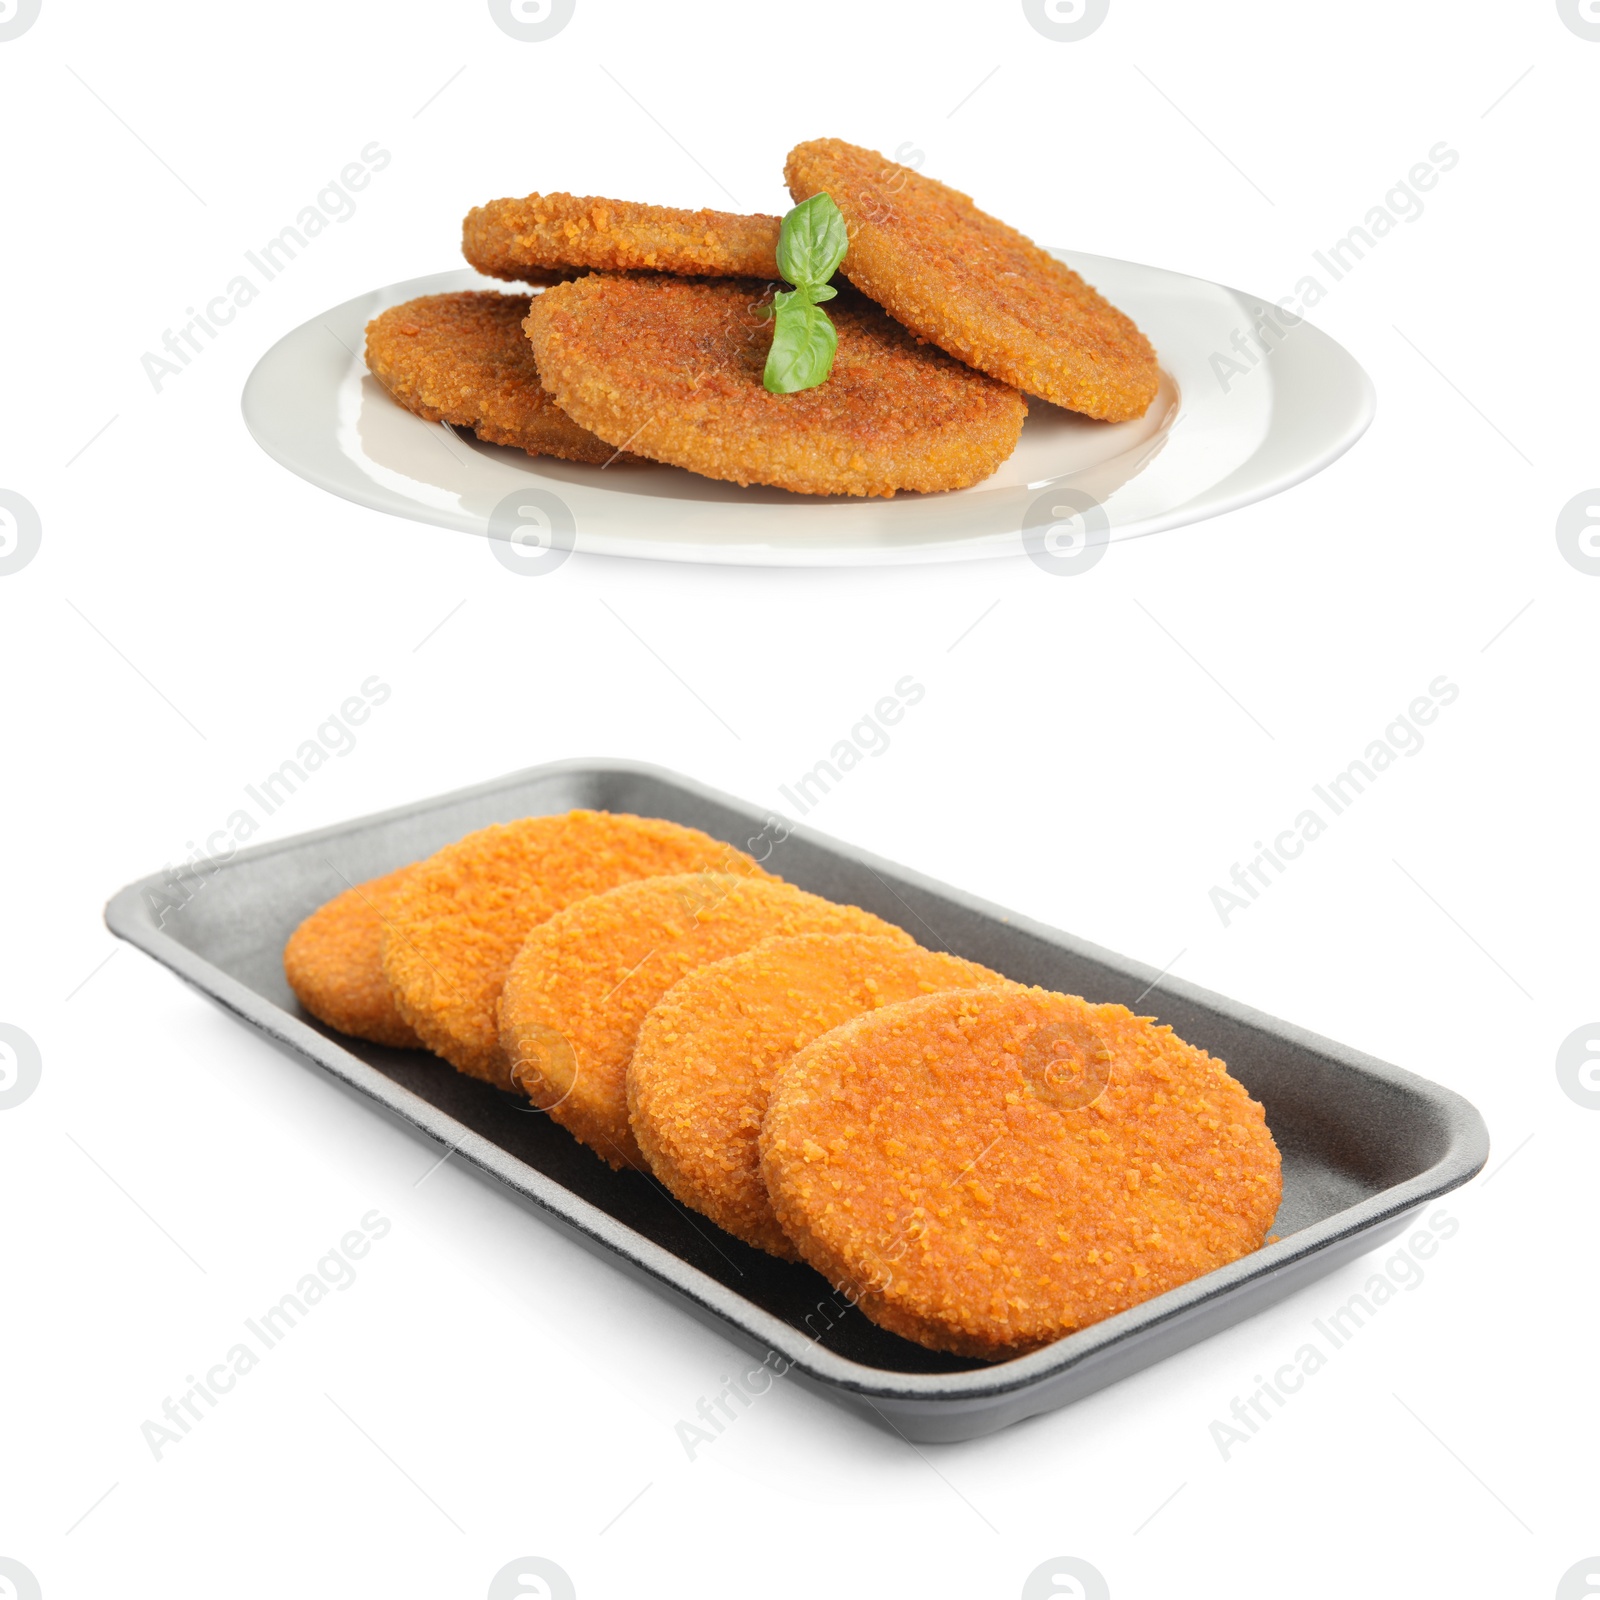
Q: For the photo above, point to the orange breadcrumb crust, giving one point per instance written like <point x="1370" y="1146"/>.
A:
<point x="452" y="929"/>
<point x="545" y="237"/>
<point x="462" y="359"/>
<point x="672" y="369"/>
<point x="709" y="1052"/>
<point x="583" y="983"/>
<point x="954" y="1163"/>
<point x="334" y="965"/>
<point x="976" y="287"/>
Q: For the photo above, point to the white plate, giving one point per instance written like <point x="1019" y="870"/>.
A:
<point x="1209" y="443"/>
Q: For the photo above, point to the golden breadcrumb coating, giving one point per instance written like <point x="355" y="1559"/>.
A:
<point x="452" y="929"/>
<point x="672" y="368"/>
<point x="989" y="1170"/>
<point x="711" y="1049"/>
<point x="583" y="983"/>
<point x="559" y="235"/>
<point x="333" y="964"/>
<point x="462" y="359"/>
<point x="977" y="287"/>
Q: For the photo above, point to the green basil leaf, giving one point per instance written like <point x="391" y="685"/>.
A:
<point x="803" y="344"/>
<point x="812" y="242"/>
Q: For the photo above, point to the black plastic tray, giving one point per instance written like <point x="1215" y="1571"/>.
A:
<point x="1364" y="1144"/>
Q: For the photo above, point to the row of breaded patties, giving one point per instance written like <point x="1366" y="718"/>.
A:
<point x="982" y="1166"/>
<point x="653" y="325"/>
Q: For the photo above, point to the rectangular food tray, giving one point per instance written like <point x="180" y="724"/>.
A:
<point x="1365" y="1145"/>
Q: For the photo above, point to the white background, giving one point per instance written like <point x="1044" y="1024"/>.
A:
<point x="195" y="612"/>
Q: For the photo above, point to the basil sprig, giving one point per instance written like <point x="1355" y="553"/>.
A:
<point x="811" y="244"/>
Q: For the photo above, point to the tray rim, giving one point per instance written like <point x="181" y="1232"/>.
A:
<point x="1464" y="1156"/>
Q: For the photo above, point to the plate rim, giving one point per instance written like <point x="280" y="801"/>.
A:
<point x="1214" y="501"/>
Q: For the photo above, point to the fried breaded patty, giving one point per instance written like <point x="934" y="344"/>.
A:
<point x="462" y="359"/>
<point x="333" y="963"/>
<point x="711" y="1048"/>
<point x="976" y="287"/>
<point x="989" y="1170"/>
<point x="583" y="983"/>
<point x="452" y="929"/>
<point x="672" y="368"/>
<point x="557" y="235"/>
